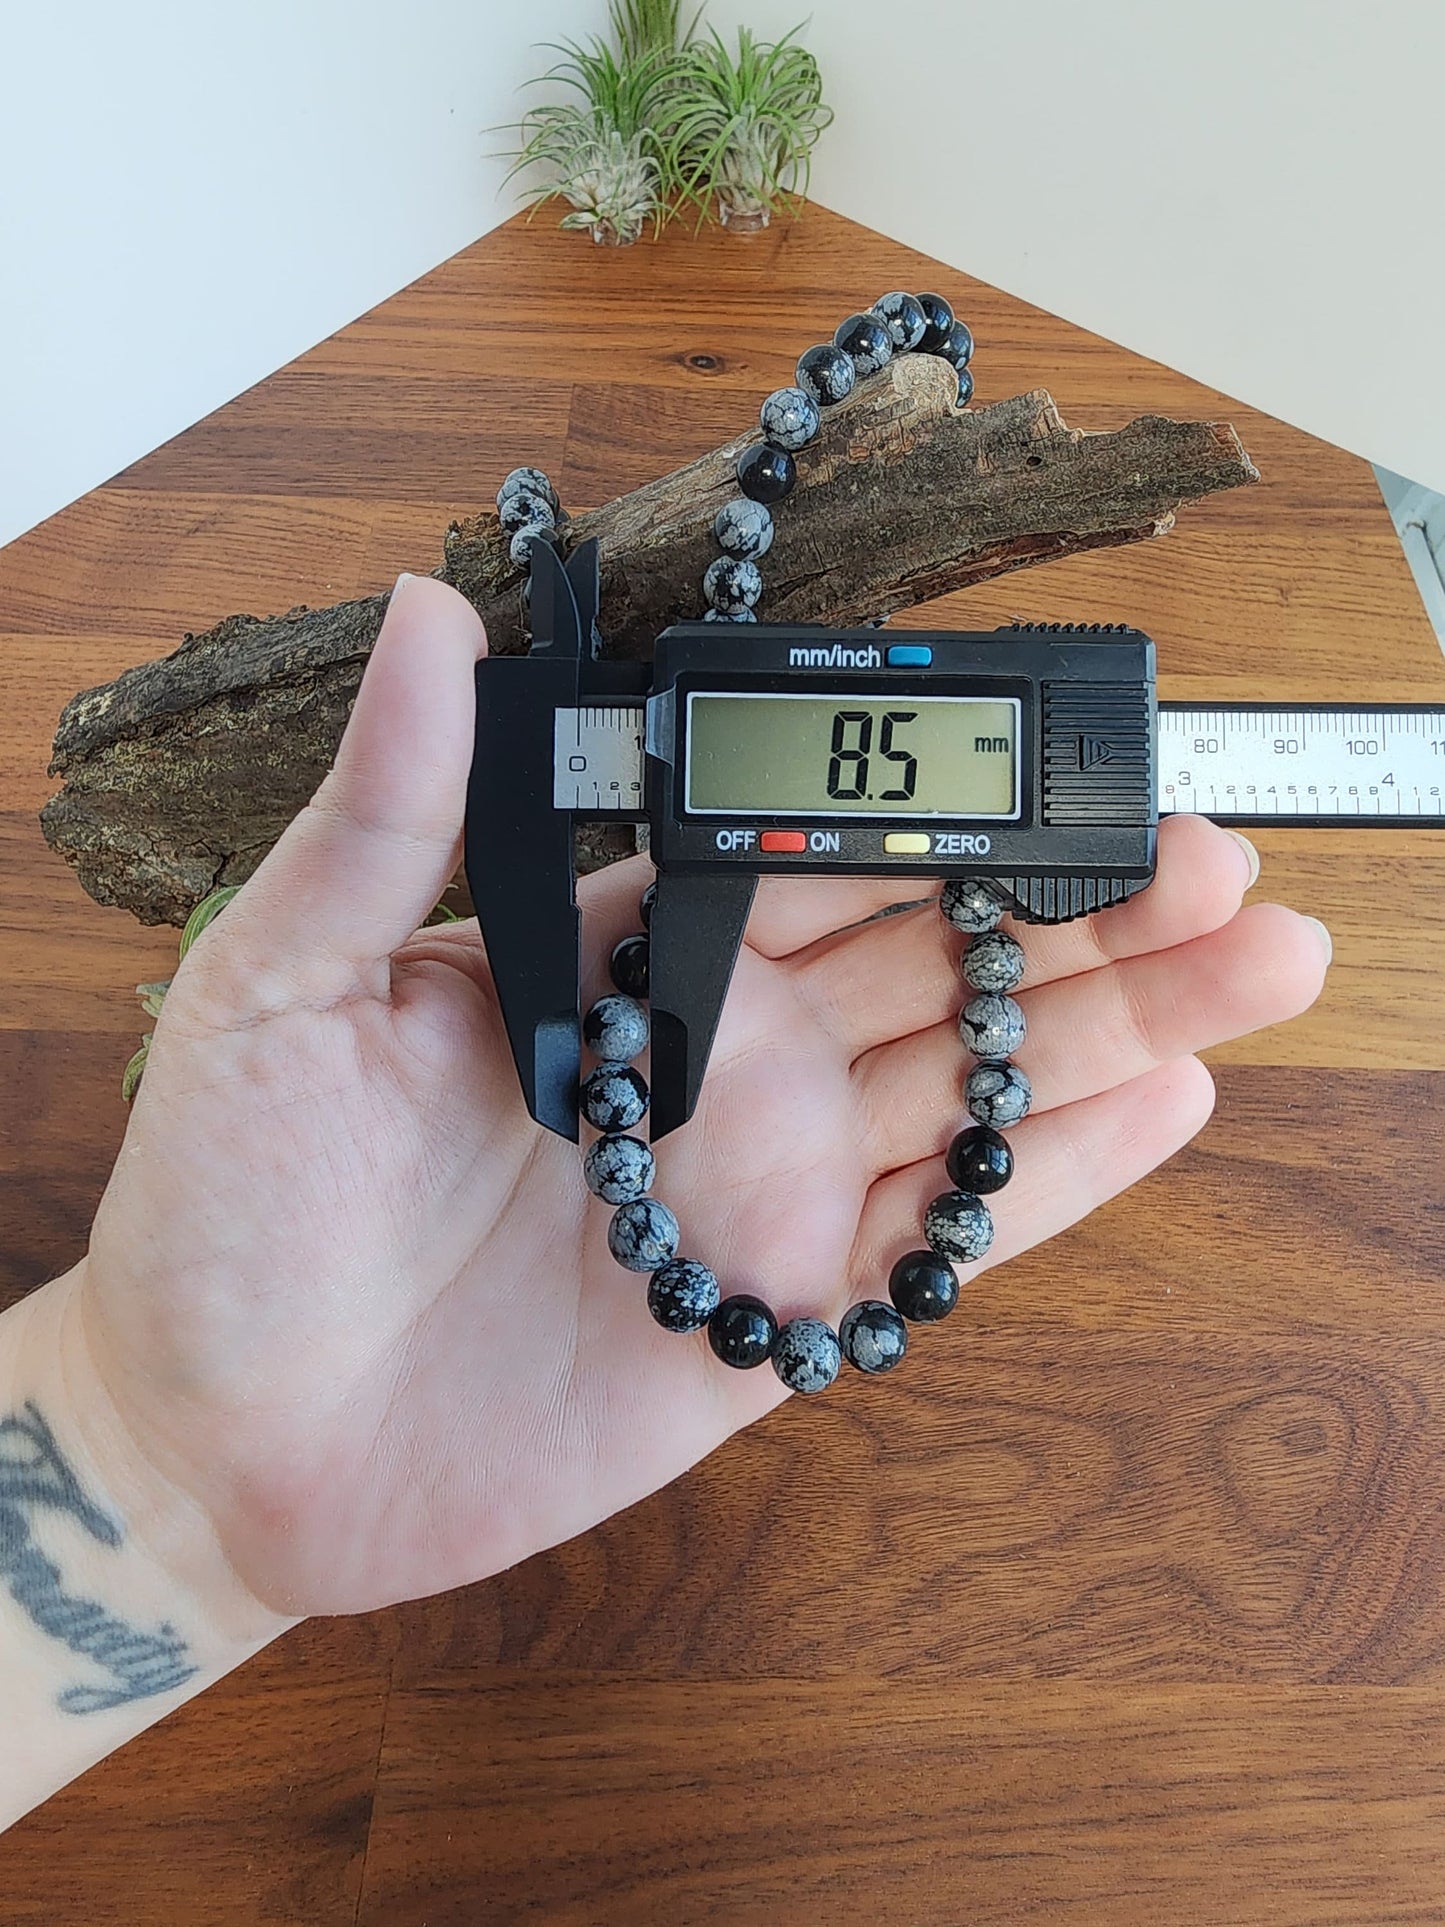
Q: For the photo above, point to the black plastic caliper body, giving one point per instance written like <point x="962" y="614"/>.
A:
<point x="1024" y="757"/>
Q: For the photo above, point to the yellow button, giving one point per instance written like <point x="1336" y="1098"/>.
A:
<point x="906" y="843"/>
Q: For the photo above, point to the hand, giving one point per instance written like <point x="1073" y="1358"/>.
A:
<point x="359" y="1309"/>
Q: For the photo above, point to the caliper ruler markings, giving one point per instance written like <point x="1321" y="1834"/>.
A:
<point x="1308" y="763"/>
<point x="1312" y="764"/>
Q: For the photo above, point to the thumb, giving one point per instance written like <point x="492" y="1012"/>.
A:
<point x="364" y="863"/>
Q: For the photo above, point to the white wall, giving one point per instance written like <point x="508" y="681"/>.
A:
<point x="192" y="193"/>
<point x="1252" y="191"/>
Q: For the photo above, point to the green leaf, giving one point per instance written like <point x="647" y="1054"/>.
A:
<point x="131" y="1076"/>
<point x="205" y="914"/>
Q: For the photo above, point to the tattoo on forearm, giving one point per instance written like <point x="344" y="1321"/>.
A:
<point x="35" y="1477"/>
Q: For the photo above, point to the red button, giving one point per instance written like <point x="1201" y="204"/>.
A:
<point x="780" y="840"/>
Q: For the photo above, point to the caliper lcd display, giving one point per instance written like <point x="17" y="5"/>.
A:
<point x="778" y="753"/>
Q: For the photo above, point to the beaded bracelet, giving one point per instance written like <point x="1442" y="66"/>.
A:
<point x="683" y="1295"/>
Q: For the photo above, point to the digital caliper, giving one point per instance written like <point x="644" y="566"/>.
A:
<point x="1032" y="757"/>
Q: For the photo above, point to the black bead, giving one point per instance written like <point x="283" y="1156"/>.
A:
<point x="979" y="1160"/>
<point x="938" y="315"/>
<point x="873" y="1336"/>
<point x="923" y="1286"/>
<point x="965" y="387"/>
<point x="866" y="340"/>
<point x="742" y="1331"/>
<point x="957" y="345"/>
<point x="766" y="473"/>
<point x="826" y="373"/>
<point x="629" y="965"/>
<point x="649" y="897"/>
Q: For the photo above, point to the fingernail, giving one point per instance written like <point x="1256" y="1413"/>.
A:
<point x="405" y="576"/>
<point x="1251" y="856"/>
<point x="1327" y="942"/>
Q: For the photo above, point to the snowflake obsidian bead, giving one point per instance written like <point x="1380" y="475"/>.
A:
<point x="643" y="1235"/>
<point x="958" y="1226"/>
<point x="789" y="418"/>
<point x="866" y="341"/>
<point x="616" y="1028"/>
<point x="994" y="961"/>
<point x="731" y="585"/>
<point x="766" y="474"/>
<point x="525" y="509"/>
<point x="969" y="907"/>
<point x="614" y="1097"/>
<point x="872" y="1336"/>
<point x="520" y="547"/>
<point x="806" y="1355"/>
<point x="997" y="1094"/>
<point x="827" y="373"/>
<point x="534" y="480"/>
<point x="923" y="1286"/>
<point x="629" y="965"/>
<point x="956" y="347"/>
<point x="902" y="314"/>
<point x="937" y="319"/>
<point x="742" y="1331"/>
<point x="730" y="615"/>
<point x="979" y="1160"/>
<point x="992" y="1026"/>
<point x="682" y="1295"/>
<point x="619" y="1169"/>
<point x="743" y="529"/>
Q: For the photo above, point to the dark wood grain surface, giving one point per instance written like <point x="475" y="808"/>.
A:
<point x="1126" y="1603"/>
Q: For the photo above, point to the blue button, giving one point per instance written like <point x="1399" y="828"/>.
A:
<point x="909" y="655"/>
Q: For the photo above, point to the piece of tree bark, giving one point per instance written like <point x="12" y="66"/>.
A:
<point x="180" y="774"/>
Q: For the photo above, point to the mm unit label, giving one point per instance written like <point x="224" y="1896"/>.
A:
<point x="1336" y="764"/>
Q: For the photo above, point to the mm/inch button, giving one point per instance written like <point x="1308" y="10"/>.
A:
<point x="909" y="655"/>
<point x="783" y="842"/>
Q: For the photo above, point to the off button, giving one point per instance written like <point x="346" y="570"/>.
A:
<point x="906" y="843"/>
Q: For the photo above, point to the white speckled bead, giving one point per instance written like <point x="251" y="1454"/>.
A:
<point x="619" y="1169"/>
<point x="790" y="418"/>
<point x="731" y="586"/>
<point x="744" y="529"/>
<point x="873" y="1336"/>
<point x="643" y="1235"/>
<point x="807" y="1355"/>
<point x="958" y="1226"/>
<point x="616" y="1028"/>
<point x="614" y="1097"/>
<point x="969" y="907"/>
<point x="997" y="1094"/>
<point x="730" y="615"/>
<point x="526" y="509"/>
<point x="682" y="1295"/>
<point x="994" y="961"/>
<point x="534" y="480"/>
<point x="902" y="314"/>
<point x="827" y="373"/>
<point x="992" y="1026"/>
<point x="520" y="546"/>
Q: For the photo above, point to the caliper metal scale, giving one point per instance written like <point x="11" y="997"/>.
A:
<point x="1035" y="757"/>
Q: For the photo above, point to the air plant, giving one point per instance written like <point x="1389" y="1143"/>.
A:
<point x="604" y="151"/>
<point x="644" y="27"/>
<point x="741" y="130"/>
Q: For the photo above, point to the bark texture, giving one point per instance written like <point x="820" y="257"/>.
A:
<point x="181" y="773"/>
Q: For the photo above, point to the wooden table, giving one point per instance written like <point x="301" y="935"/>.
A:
<point x="1125" y="1603"/>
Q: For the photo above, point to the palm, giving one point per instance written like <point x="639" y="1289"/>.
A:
<point x="344" y="1289"/>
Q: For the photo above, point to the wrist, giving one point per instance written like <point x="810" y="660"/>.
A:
<point x="127" y="1528"/>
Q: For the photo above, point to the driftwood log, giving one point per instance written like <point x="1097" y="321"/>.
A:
<point x="180" y="774"/>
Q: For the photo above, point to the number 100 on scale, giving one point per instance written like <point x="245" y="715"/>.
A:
<point x="1326" y="762"/>
<point x="835" y="755"/>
